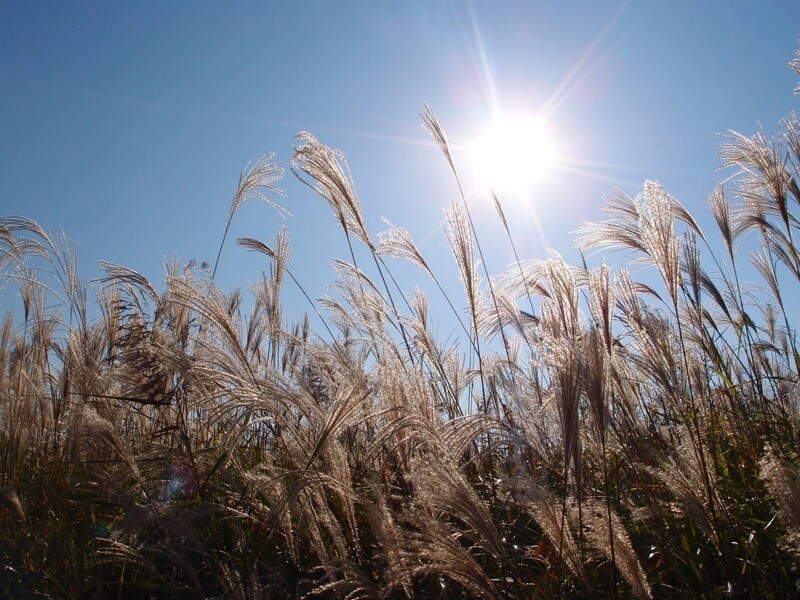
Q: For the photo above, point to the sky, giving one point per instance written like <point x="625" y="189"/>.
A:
<point x="127" y="124"/>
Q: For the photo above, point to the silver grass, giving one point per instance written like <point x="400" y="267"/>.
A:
<point x="781" y="247"/>
<point x="503" y="312"/>
<point x="615" y="542"/>
<point x="10" y="250"/>
<point x="646" y="225"/>
<point x="621" y="230"/>
<point x="263" y="331"/>
<point x="10" y="500"/>
<point x="598" y="374"/>
<point x="690" y="265"/>
<point x="222" y="321"/>
<point x="368" y="310"/>
<point x="430" y="353"/>
<point x="357" y="459"/>
<point x="326" y="171"/>
<point x="560" y="307"/>
<point x="460" y="240"/>
<point x="330" y="177"/>
<point x="58" y="253"/>
<point x="339" y="416"/>
<point x="112" y="551"/>
<point x="336" y="456"/>
<point x="255" y="181"/>
<point x="783" y="484"/>
<point x="721" y="209"/>
<point x="546" y="509"/>
<point x="658" y="357"/>
<point x="712" y="291"/>
<point x="401" y="429"/>
<point x="134" y="282"/>
<point x="389" y="538"/>
<point x="433" y="126"/>
<point x="526" y="277"/>
<point x="500" y="213"/>
<point x="407" y="392"/>
<point x="304" y="498"/>
<point x="280" y="254"/>
<point x="419" y="324"/>
<point x="457" y="375"/>
<point x="89" y="425"/>
<point x="566" y="375"/>
<point x="338" y="313"/>
<point x="602" y="302"/>
<point x="268" y="490"/>
<point x="658" y="234"/>
<point x="371" y="312"/>
<point x="763" y="178"/>
<point x="397" y="243"/>
<point x="684" y="474"/>
<point x="344" y="579"/>
<point x="762" y="263"/>
<point x="795" y="66"/>
<point x="459" y="434"/>
<point x="348" y="271"/>
<point x="792" y="137"/>
<point x="433" y="548"/>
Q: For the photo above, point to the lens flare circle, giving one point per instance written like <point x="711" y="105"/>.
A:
<point x="512" y="153"/>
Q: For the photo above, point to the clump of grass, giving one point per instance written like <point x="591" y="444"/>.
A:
<point x="591" y="435"/>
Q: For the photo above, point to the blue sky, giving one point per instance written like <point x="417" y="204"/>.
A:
<point x="127" y="124"/>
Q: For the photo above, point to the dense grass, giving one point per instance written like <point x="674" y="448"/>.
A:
<point x="590" y="436"/>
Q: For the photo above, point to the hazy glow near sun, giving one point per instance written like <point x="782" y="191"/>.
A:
<point x="512" y="153"/>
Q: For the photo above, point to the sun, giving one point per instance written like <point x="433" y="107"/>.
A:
<point x="512" y="153"/>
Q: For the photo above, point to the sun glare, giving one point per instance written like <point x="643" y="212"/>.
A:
<point x="512" y="154"/>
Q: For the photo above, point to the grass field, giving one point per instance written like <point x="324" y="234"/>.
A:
<point x="588" y="436"/>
